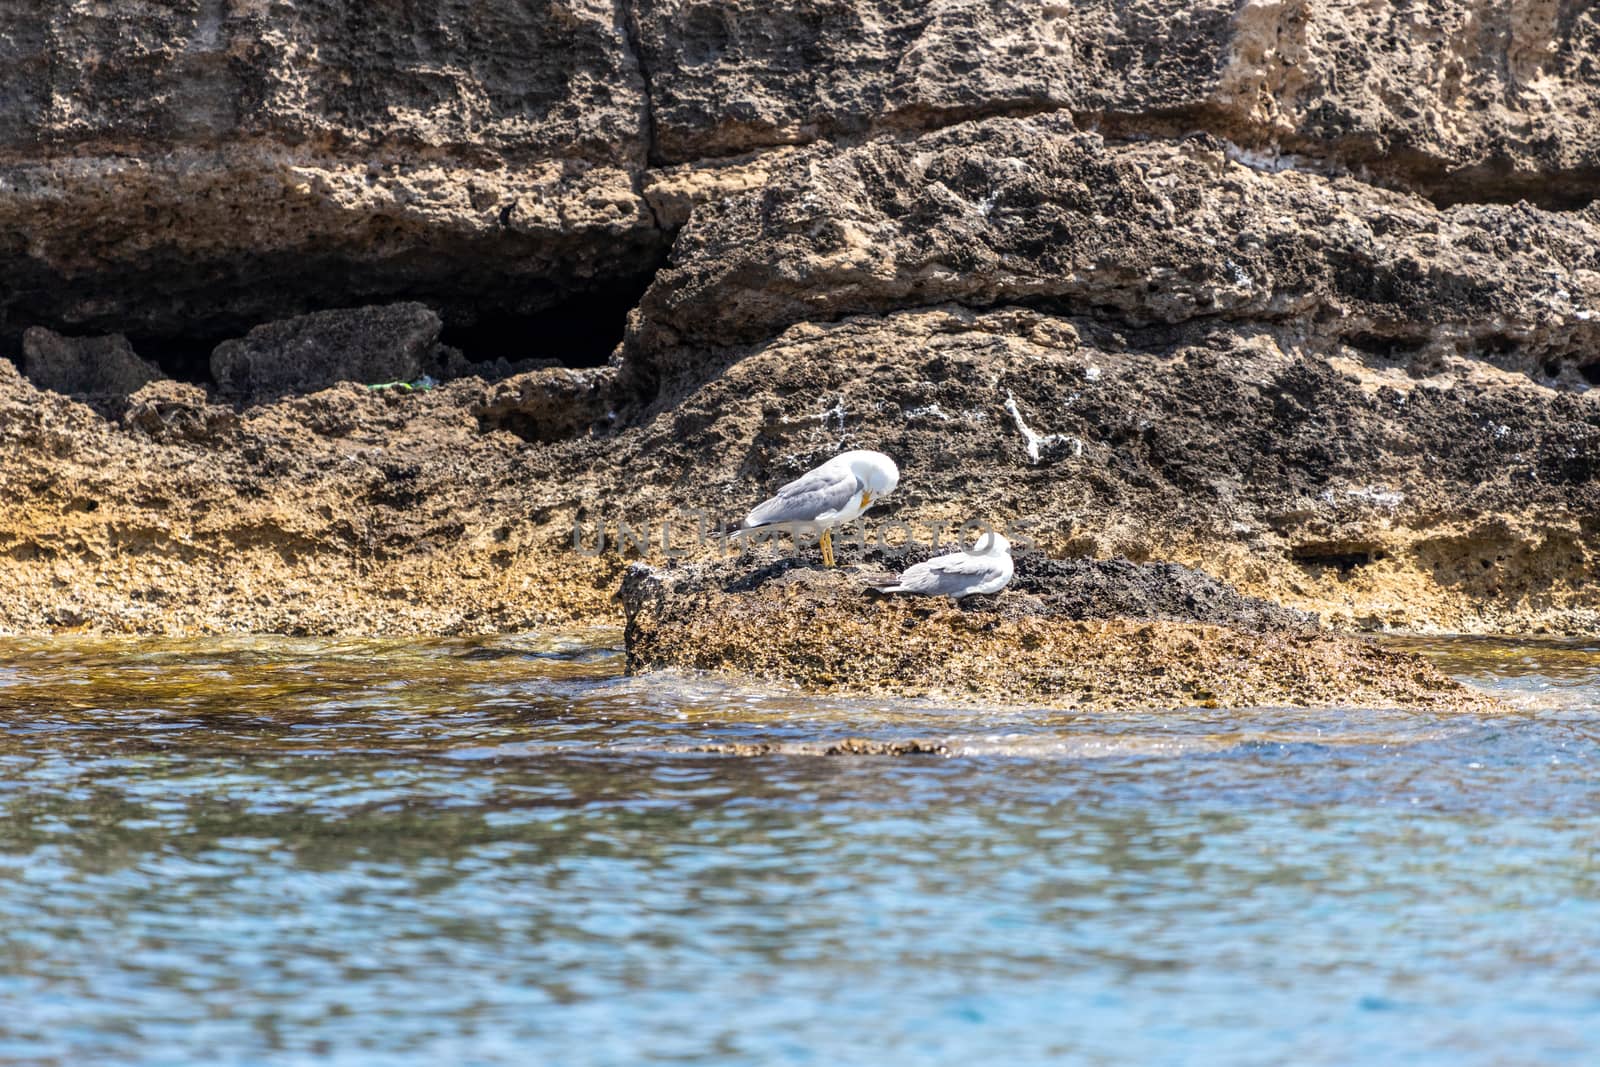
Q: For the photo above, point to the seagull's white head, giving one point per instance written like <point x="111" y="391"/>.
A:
<point x="992" y="543"/>
<point x="876" y="472"/>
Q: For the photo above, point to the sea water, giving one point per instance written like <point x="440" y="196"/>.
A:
<point x="275" y="851"/>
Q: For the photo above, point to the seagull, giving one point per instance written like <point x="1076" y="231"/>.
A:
<point x="986" y="569"/>
<point x="835" y="493"/>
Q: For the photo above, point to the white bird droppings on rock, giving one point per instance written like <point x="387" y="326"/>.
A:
<point x="1032" y="440"/>
<point x="1378" y="495"/>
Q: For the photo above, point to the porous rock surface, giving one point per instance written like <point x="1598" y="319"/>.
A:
<point x="1348" y="483"/>
<point x="194" y="168"/>
<point x="1304" y="295"/>
<point x="191" y="169"/>
<point x="1036" y="212"/>
<point x="375" y="345"/>
<point x="818" y="629"/>
<point x="1463" y="99"/>
<point x="84" y="366"/>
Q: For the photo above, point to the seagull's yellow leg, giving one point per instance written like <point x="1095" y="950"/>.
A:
<point x="827" y="547"/>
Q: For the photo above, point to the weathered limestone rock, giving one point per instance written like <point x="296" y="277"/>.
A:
<point x="169" y="411"/>
<point x="727" y="78"/>
<point x="1035" y="212"/>
<point x="550" y="403"/>
<point x="344" y="511"/>
<point x="820" y="630"/>
<point x="1461" y="99"/>
<point x="1464" y="499"/>
<point x="1369" y="489"/>
<point x="395" y="342"/>
<point x="194" y="168"/>
<point x="197" y="167"/>
<point x="674" y="192"/>
<point x="1240" y="284"/>
<point x="84" y="366"/>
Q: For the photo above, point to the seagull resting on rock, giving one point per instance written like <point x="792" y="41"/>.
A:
<point x="837" y="492"/>
<point x="986" y="569"/>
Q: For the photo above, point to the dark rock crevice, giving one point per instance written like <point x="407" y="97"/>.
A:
<point x="184" y="358"/>
<point x="580" y="330"/>
<point x="628" y="21"/>
<point x="1341" y="556"/>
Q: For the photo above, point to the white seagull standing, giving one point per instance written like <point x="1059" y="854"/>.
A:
<point x="986" y="569"/>
<point x="835" y="493"/>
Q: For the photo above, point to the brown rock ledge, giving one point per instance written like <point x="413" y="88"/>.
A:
<point x="823" y="630"/>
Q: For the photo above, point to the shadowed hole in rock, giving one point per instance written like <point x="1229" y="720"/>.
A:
<point x="1497" y="346"/>
<point x="1590" y="372"/>
<point x="1394" y="348"/>
<point x="577" y="331"/>
<point x="184" y="359"/>
<point x="580" y="331"/>
<point x="1562" y="190"/>
<point x="1344" y="556"/>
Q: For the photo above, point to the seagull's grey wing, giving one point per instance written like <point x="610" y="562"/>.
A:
<point x="952" y="575"/>
<point x="802" y="500"/>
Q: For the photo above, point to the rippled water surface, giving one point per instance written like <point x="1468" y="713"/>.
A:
<point x="457" y="852"/>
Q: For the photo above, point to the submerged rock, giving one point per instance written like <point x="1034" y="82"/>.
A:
<point x="820" y="629"/>
<point x="849" y="746"/>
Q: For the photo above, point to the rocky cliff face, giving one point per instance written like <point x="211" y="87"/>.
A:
<point x="189" y="170"/>
<point x="1307" y="294"/>
<point x="1036" y="212"/>
<point x="1459" y="100"/>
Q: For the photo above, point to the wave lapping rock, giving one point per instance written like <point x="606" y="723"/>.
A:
<point x="821" y="630"/>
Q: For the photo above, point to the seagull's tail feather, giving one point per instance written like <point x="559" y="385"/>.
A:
<point x="769" y="530"/>
<point x="760" y="529"/>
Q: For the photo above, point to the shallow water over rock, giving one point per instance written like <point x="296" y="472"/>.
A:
<point x="504" y="851"/>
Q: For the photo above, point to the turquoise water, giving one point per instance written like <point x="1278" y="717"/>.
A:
<point x="284" y="852"/>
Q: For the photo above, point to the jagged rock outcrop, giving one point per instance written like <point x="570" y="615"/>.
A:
<point x="819" y="629"/>
<point x="1462" y="496"/>
<point x="1184" y="282"/>
<point x="193" y="169"/>
<point x="84" y="366"/>
<point x="395" y="342"/>
<point x="1459" y="99"/>
<point x="1035" y="212"/>
<point x="340" y="511"/>
<point x="1465" y="499"/>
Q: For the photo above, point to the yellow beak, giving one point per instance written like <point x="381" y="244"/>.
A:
<point x="866" y="498"/>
